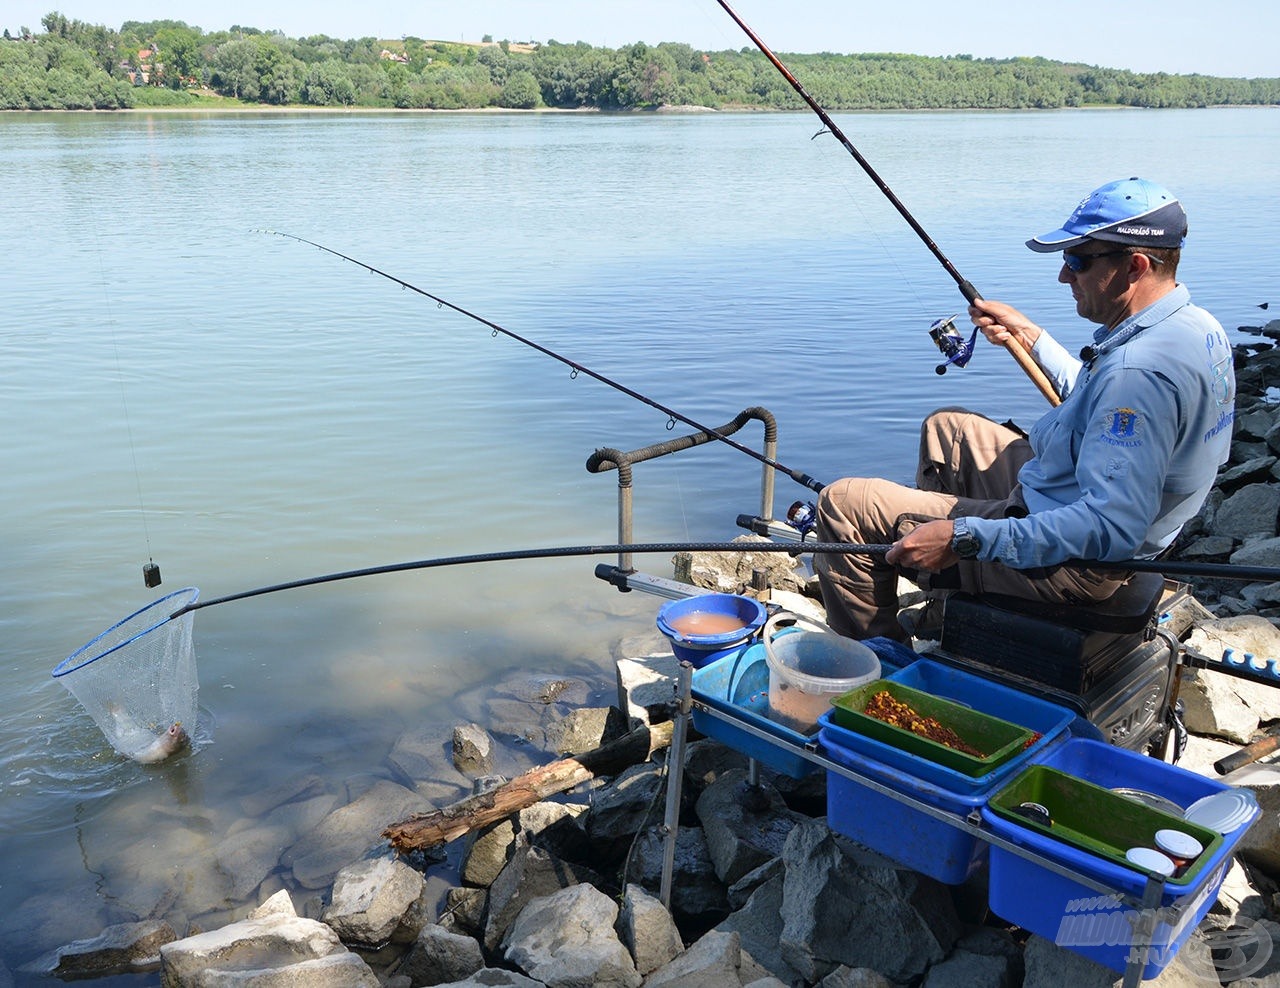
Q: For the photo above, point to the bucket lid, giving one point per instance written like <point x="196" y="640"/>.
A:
<point x="1222" y="811"/>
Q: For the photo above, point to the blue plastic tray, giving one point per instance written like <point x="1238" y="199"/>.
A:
<point x="979" y="694"/>
<point x="911" y="837"/>
<point x="1077" y="917"/>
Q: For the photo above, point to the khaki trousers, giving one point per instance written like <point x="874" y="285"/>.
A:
<point x="968" y="467"/>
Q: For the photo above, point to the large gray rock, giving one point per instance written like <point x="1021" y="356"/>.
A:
<point x="1260" y="846"/>
<point x="1252" y="510"/>
<point x="347" y="833"/>
<point x="844" y="904"/>
<point x="698" y="897"/>
<point x="370" y="899"/>
<point x="422" y="759"/>
<point x="249" y="855"/>
<point x="1264" y="552"/>
<point x="647" y="930"/>
<point x="647" y="685"/>
<point x="744" y="826"/>
<point x="495" y="977"/>
<point x="584" y="730"/>
<point x="758" y="925"/>
<point x="272" y="948"/>
<point x="567" y="939"/>
<point x="1249" y="472"/>
<point x="855" y="977"/>
<point x="712" y="962"/>
<point x="620" y="811"/>
<point x="127" y="948"/>
<point x="441" y="957"/>
<point x="731" y="572"/>
<point x="1051" y="966"/>
<point x="530" y="874"/>
<point x="552" y="826"/>
<point x="1226" y="706"/>
<point x="968" y="970"/>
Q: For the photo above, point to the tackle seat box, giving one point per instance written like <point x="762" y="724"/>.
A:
<point x="1073" y="648"/>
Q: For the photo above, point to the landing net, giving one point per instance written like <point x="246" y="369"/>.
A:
<point x="138" y="678"/>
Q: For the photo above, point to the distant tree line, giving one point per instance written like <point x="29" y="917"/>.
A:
<point x="74" y="65"/>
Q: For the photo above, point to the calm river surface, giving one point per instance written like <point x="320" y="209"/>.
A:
<point x="177" y="385"/>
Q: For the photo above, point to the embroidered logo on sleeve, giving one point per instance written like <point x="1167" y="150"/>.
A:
<point x="1123" y="427"/>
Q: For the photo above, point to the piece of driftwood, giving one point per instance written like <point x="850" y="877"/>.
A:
<point x="426" y="830"/>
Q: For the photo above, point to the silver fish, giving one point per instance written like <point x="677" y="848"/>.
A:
<point x="168" y="743"/>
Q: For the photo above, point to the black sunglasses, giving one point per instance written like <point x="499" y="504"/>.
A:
<point x="1079" y="263"/>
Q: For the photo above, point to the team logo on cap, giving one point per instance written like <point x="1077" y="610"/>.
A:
<point x="1123" y="427"/>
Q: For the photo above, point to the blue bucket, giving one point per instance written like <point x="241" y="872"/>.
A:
<point x="710" y="626"/>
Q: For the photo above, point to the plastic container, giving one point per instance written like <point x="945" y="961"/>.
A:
<point x="1050" y="721"/>
<point x="809" y="669"/>
<point x="710" y="626"/>
<point x="1078" y="917"/>
<point x="738" y="687"/>
<point x="1096" y="820"/>
<point x="996" y="738"/>
<point x="915" y="839"/>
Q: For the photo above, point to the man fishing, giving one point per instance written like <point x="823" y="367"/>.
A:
<point x="1111" y="473"/>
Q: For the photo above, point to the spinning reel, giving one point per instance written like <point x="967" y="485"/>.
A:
<point x="951" y="343"/>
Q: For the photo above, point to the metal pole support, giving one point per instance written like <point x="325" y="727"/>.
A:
<point x="675" y="779"/>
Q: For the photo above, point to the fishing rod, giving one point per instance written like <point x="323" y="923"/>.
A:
<point x="1167" y="567"/>
<point x="551" y="552"/>
<point x="943" y="332"/>
<point x="798" y="476"/>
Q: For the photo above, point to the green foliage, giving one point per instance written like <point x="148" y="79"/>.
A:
<point x="74" y="65"/>
<point x="520" y="92"/>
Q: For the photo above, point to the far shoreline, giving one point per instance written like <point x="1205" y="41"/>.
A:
<point x="271" y="109"/>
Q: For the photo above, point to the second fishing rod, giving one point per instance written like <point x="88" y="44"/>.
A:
<point x="576" y="368"/>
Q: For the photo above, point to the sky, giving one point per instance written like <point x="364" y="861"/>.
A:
<point x="1227" y="38"/>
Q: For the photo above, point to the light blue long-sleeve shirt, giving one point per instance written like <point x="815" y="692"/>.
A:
<point x="1133" y="449"/>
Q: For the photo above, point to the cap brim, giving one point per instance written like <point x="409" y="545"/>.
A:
<point x="1049" y="243"/>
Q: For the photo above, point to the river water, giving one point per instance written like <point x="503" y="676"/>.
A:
<point x="180" y="386"/>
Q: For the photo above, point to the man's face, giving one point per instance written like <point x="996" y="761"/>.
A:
<point x="1101" y="286"/>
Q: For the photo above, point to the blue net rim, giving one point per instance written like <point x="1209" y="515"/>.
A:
<point x="77" y="660"/>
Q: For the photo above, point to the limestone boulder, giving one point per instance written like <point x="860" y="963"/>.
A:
<point x="273" y="946"/>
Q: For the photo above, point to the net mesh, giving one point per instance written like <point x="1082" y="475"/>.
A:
<point x="138" y="678"/>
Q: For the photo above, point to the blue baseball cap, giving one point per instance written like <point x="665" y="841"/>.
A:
<point x="1131" y="211"/>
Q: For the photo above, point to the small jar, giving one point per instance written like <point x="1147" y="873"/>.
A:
<point x="1149" y="859"/>
<point x="1181" y="848"/>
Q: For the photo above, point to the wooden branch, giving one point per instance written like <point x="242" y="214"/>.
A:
<point x="425" y="830"/>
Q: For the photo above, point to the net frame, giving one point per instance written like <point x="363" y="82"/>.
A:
<point x="138" y="677"/>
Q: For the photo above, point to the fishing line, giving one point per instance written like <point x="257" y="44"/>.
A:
<point x="150" y="571"/>
<point x="575" y="368"/>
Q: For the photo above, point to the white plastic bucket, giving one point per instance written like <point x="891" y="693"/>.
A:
<point x="808" y="669"/>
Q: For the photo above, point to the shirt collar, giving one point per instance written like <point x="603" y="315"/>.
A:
<point x="1159" y="310"/>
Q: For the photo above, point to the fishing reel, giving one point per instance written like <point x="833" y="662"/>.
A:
<point x="951" y="343"/>
<point x="803" y="517"/>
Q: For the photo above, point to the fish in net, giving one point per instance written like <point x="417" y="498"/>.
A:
<point x="137" y="679"/>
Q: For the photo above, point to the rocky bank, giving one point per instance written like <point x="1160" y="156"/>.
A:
<point x="564" y="893"/>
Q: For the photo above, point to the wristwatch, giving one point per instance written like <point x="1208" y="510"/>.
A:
<point x="963" y="542"/>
